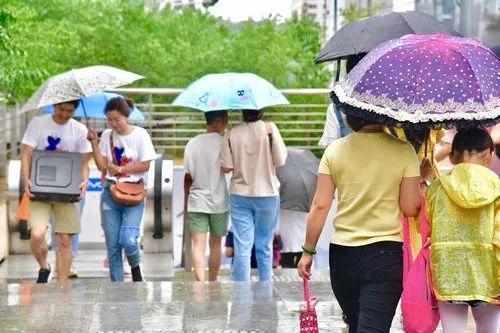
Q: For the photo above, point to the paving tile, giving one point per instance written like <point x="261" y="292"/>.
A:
<point x="44" y="317"/>
<point x="155" y="291"/>
<point x="137" y="316"/>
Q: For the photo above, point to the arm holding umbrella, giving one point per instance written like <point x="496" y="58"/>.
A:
<point x="100" y="161"/>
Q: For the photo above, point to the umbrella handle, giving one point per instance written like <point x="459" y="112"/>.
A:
<point x="306" y="294"/>
<point x="85" y="114"/>
<point x="426" y="142"/>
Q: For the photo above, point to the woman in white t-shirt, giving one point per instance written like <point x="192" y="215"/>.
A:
<point x="133" y="152"/>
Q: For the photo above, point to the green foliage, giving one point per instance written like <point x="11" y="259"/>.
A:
<point x="40" y="38"/>
<point x="12" y="60"/>
<point x="353" y="12"/>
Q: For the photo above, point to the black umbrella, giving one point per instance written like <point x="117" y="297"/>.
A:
<point x="298" y="179"/>
<point x="496" y="50"/>
<point x="359" y="37"/>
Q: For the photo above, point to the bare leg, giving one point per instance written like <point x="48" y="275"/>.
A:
<point x="214" y="258"/>
<point x="199" y="246"/>
<point x="453" y="317"/>
<point x="486" y="316"/>
<point x="39" y="247"/>
<point x="65" y="256"/>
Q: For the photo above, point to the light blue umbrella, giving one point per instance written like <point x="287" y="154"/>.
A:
<point x="230" y="91"/>
<point x="93" y="107"/>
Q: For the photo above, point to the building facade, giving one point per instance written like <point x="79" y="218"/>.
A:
<point x="471" y="18"/>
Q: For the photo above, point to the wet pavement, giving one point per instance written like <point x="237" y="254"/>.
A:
<point x="169" y="302"/>
<point x="91" y="305"/>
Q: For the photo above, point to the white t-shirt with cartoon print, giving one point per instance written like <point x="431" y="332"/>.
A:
<point x="43" y="133"/>
<point x="132" y="148"/>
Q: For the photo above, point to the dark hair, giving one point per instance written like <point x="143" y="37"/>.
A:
<point x="417" y="136"/>
<point x="212" y="116"/>
<point x="353" y="115"/>
<point x="75" y="103"/>
<point x="357" y="123"/>
<point x="472" y="139"/>
<point x="250" y="116"/>
<point x="123" y="105"/>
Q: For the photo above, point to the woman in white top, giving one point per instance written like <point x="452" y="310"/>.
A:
<point x="253" y="150"/>
<point x="133" y="152"/>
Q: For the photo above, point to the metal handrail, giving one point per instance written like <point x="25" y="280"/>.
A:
<point x="300" y="124"/>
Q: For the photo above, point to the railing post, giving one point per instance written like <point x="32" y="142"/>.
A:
<point x="150" y="111"/>
<point x="3" y="142"/>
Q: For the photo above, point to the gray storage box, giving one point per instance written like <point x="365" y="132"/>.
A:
<point x="55" y="176"/>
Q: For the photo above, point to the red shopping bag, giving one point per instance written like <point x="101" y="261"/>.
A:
<point x="418" y="302"/>
<point x="308" y="317"/>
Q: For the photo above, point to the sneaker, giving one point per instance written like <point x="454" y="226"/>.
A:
<point x="44" y="275"/>
<point x="73" y="274"/>
<point x="136" y="274"/>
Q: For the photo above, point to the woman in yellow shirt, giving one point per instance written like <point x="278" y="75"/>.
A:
<point x="377" y="177"/>
<point x="463" y="208"/>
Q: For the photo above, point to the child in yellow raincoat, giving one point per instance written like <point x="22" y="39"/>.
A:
<point x="463" y="208"/>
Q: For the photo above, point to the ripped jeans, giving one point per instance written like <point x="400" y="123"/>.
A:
<point x="121" y="225"/>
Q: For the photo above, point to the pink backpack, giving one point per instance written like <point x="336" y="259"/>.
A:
<point x="308" y="317"/>
<point x="418" y="302"/>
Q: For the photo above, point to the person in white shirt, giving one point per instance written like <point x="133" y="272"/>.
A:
<point x="134" y="151"/>
<point x="55" y="132"/>
<point x="335" y="126"/>
<point x="205" y="194"/>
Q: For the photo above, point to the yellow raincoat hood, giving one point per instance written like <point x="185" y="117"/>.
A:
<point x="471" y="185"/>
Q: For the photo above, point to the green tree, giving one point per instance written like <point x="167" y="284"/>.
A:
<point x="353" y="12"/>
<point x="12" y="60"/>
<point x="171" y="48"/>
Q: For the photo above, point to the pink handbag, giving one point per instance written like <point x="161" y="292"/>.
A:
<point x="308" y="317"/>
<point x="418" y="301"/>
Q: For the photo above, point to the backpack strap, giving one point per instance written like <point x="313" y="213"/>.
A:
<point x="113" y="154"/>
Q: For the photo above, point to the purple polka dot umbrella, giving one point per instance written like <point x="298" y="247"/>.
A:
<point x="433" y="79"/>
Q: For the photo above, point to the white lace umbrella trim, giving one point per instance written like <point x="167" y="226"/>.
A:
<point x="418" y="113"/>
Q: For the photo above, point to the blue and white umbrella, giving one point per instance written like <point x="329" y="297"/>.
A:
<point x="230" y="91"/>
<point x="93" y="107"/>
